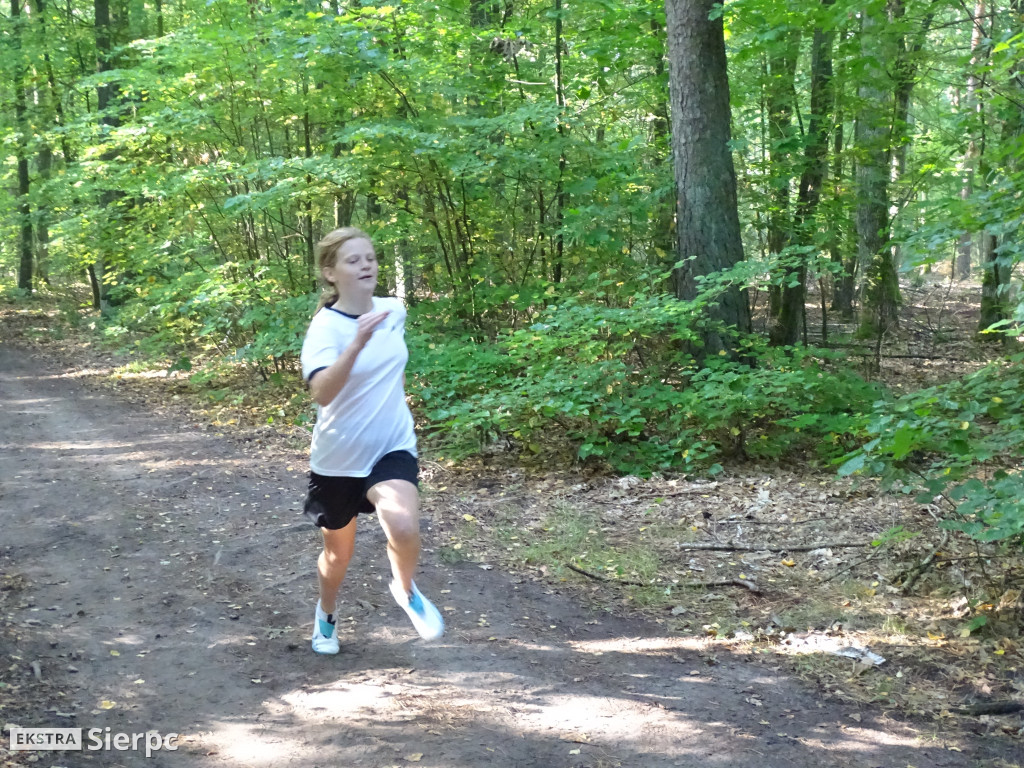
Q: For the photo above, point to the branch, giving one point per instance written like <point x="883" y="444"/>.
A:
<point x="746" y="584"/>
<point x="991" y="708"/>
<point x="923" y="566"/>
<point x="772" y="547"/>
<point x="598" y="577"/>
<point x="859" y="563"/>
<point x="405" y="99"/>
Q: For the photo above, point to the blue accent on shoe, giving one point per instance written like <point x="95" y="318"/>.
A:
<point x="325" y="638"/>
<point x="415" y="603"/>
<point x="424" y="615"/>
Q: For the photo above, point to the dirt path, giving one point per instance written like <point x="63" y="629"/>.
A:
<point x="158" y="576"/>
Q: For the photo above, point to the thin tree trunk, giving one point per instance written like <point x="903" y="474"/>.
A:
<point x="962" y="268"/>
<point x="561" y="199"/>
<point x="21" y="150"/>
<point x="842" y="296"/>
<point x="105" y="97"/>
<point x="781" y="100"/>
<point x="872" y="137"/>
<point x="708" y="223"/>
<point x="995" y="287"/>
<point x="664" y="213"/>
<point x="44" y="159"/>
<point x="794" y="293"/>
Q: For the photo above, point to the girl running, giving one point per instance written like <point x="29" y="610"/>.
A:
<point x="363" y="455"/>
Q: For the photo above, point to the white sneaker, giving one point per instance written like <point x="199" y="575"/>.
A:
<point x="426" y="619"/>
<point x="325" y="635"/>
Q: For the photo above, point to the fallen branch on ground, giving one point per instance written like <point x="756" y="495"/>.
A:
<point x="924" y="565"/>
<point x="841" y="571"/>
<point x="745" y="583"/>
<point x="770" y="547"/>
<point x="991" y="708"/>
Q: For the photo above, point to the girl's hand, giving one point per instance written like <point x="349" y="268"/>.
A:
<point x="368" y="324"/>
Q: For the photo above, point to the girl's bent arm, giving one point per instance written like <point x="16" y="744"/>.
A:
<point x="328" y="383"/>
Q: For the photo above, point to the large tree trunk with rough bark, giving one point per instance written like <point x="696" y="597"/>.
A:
<point x="707" y="219"/>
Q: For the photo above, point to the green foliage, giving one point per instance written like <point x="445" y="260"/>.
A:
<point x="621" y="385"/>
<point x="531" y="227"/>
<point x="960" y="443"/>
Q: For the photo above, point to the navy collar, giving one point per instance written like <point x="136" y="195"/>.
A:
<point x="345" y="314"/>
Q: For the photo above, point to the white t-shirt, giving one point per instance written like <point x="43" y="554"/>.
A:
<point x="369" y="417"/>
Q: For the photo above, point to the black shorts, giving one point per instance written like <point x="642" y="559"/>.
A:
<point x="333" y="502"/>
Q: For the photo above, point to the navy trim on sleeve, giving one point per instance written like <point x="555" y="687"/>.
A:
<point x="315" y="372"/>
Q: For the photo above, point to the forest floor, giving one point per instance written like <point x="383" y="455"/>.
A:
<point x="156" y="574"/>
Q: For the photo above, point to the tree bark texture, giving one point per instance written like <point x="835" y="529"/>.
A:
<point x="872" y="139"/>
<point x="707" y="218"/>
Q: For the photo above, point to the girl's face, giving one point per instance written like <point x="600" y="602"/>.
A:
<point x="354" y="267"/>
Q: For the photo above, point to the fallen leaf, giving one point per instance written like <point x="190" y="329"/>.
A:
<point x="414" y="758"/>
<point x="854" y="716"/>
<point x="578" y="738"/>
<point x="789" y="563"/>
<point x="107" y="704"/>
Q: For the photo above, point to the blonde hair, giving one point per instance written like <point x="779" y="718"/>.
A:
<point x="327" y="255"/>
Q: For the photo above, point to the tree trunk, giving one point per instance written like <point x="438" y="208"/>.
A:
<point x="664" y="216"/>
<point x="962" y="268"/>
<point x="781" y="100"/>
<point x="794" y="292"/>
<point x="105" y="97"/>
<point x="708" y="224"/>
<point x="872" y="134"/>
<point x="21" y="151"/>
<point x="842" y="296"/>
<point x="561" y="198"/>
<point x="995" y="286"/>
<point x="44" y="159"/>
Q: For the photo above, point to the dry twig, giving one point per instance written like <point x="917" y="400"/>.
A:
<point x="771" y="547"/>
<point x="745" y="583"/>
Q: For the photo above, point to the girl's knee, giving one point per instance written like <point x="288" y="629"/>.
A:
<point x="400" y="524"/>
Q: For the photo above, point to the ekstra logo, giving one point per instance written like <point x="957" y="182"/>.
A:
<point x="70" y="739"/>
